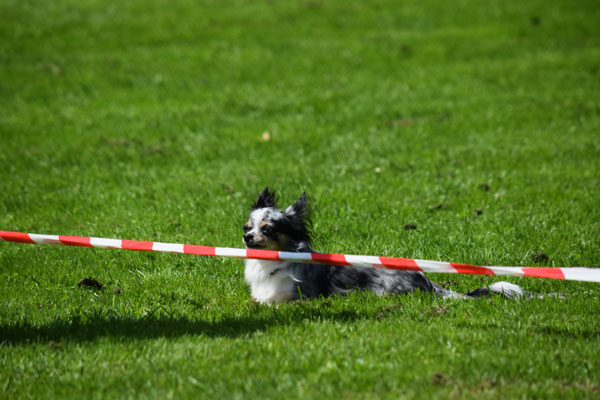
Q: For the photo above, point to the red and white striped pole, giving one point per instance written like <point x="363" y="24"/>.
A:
<point x="407" y="264"/>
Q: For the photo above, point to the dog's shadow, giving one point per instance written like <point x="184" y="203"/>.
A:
<point x="121" y="328"/>
<point x="229" y="325"/>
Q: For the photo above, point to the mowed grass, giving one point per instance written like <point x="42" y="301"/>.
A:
<point x="145" y="120"/>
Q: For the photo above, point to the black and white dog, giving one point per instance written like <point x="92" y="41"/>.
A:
<point x="270" y="228"/>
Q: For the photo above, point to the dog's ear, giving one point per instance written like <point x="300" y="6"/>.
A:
<point x="299" y="210"/>
<point x="266" y="198"/>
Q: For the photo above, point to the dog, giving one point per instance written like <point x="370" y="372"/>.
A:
<point x="270" y="228"/>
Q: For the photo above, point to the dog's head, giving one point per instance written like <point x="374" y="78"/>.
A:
<point x="270" y="228"/>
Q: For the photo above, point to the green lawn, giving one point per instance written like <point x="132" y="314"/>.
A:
<point x="144" y="120"/>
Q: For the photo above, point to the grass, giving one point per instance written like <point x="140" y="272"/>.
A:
<point x="143" y="120"/>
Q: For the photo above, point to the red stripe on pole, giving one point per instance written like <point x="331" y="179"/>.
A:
<point x="337" y="259"/>
<point x="137" y="245"/>
<point x="400" y="263"/>
<point x="471" y="269"/>
<point x="75" y="241"/>
<point x="263" y="254"/>
<point x="553" y="273"/>
<point x="16" y="237"/>
<point x="198" y="250"/>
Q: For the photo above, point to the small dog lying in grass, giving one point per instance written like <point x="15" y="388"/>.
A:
<point x="269" y="228"/>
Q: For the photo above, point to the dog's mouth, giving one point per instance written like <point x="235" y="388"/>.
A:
<point x="251" y="244"/>
<point x="259" y="245"/>
<point x="255" y="246"/>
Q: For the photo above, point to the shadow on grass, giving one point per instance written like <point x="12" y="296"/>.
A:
<point x="154" y="327"/>
<point x="564" y="332"/>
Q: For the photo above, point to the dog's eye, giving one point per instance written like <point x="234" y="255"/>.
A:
<point x="267" y="229"/>
<point x="246" y="228"/>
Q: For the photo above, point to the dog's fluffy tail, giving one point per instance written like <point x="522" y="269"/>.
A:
<point x="508" y="290"/>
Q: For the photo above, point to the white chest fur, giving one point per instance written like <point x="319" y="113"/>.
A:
<point x="269" y="281"/>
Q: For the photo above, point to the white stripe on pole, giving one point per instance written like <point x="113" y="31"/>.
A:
<point x="228" y="252"/>
<point x="45" y="239"/>
<point x="435" y="266"/>
<point x="106" y="243"/>
<point x="582" y="274"/>
<point x="363" y="261"/>
<point x="289" y="256"/>
<point x="514" y="271"/>
<point x="167" y="247"/>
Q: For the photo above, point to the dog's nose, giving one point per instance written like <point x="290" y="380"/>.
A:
<point x="248" y="238"/>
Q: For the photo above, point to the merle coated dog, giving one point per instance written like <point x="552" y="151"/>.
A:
<point x="270" y="228"/>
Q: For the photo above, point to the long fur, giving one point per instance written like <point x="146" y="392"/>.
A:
<point x="270" y="228"/>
